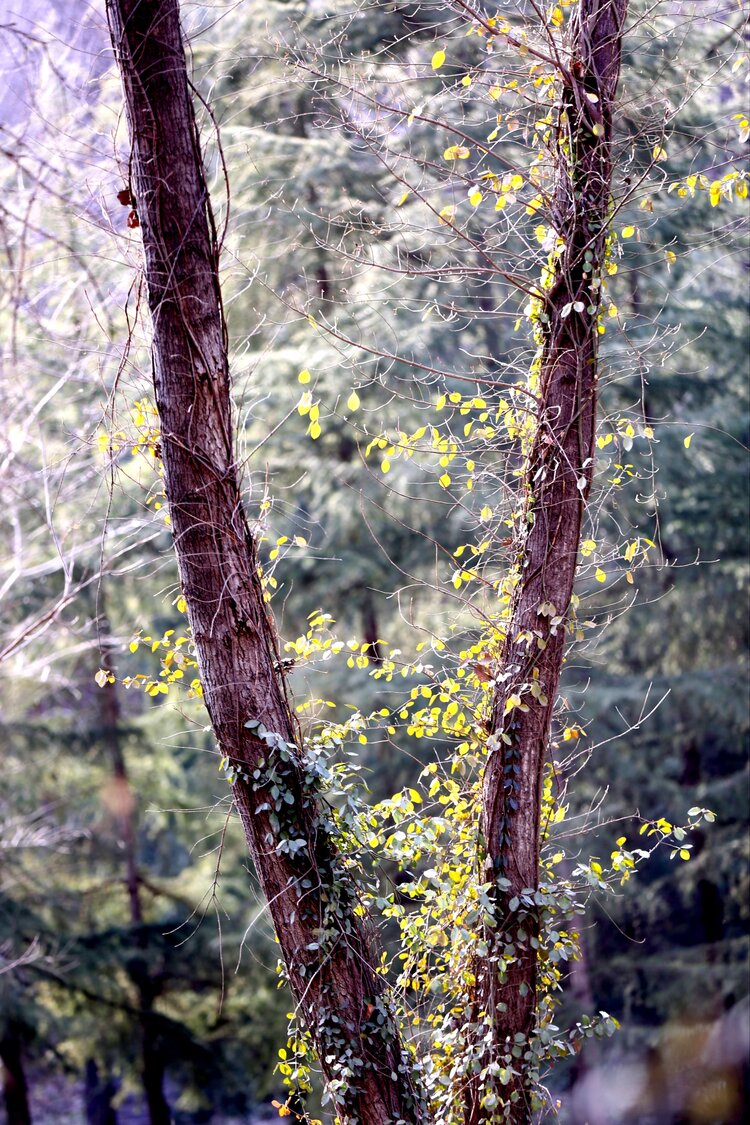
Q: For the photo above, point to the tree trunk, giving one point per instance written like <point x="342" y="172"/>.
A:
<point x="328" y="953"/>
<point x="121" y="799"/>
<point x="98" y="1095"/>
<point x="153" y="1068"/>
<point x="557" y="481"/>
<point x="15" y="1089"/>
<point x="123" y="805"/>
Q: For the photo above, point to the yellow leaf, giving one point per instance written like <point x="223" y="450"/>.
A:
<point x="181" y="604"/>
<point x="600" y="575"/>
<point x="353" y="401"/>
<point x="403" y="198"/>
<point x="686" y="441"/>
<point x="628" y="232"/>
<point x="475" y="198"/>
<point x="315" y="430"/>
<point x="444" y="480"/>
<point x="466" y="80"/>
<point x="456" y="152"/>
<point x="304" y="404"/>
<point x="304" y="376"/>
<point x="438" y="59"/>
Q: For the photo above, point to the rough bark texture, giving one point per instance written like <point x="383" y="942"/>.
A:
<point x="338" y="993"/>
<point x="557" y="479"/>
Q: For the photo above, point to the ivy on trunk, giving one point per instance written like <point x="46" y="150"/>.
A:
<point x="556" y="480"/>
<point x="327" y="950"/>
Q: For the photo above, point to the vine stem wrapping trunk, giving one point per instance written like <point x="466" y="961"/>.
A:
<point x="326" y="948"/>
<point x="557" y="481"/>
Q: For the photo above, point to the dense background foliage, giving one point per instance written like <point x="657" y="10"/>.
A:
<point x="118" y="926"/>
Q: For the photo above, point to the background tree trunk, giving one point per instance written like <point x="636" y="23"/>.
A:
<point x="15" y="1088"/>
<point x="98" y="1094"/>
<point x="557" y="482"/>
<point x="327" y="951"/>
<point x="123" y="802"/>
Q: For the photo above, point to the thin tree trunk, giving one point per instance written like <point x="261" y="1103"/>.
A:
<point x="124" y="807"/>
<point x="122" y="799"/>
<point x="98" y="1095"/>
<point x="328" y="953"/>
<point x="15" y="1088"/>
<point x="154" y="1065"/>
<point x="557" y="482"/>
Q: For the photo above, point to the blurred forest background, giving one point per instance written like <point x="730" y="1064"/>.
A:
<point x="130" y="972"/>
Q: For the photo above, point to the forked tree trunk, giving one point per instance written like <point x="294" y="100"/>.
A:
<point x="557" y="480"/>
<point x="327" y="950"/>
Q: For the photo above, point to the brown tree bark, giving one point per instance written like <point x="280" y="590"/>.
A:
<point x="557" y="482"/>
<point x="328" y="953"/>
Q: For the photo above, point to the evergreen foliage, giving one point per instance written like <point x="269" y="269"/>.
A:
<point x="314" y="107"/>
